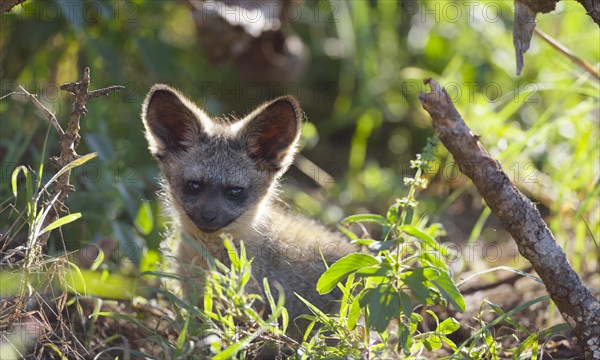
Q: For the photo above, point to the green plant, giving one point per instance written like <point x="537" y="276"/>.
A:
<point x="232" y="311"/>
<point x="221" y="319"/>
<point x="27" y="274"/>
<point x="392" y="287"/>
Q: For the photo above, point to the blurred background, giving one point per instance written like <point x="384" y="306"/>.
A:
<point x="355" y="66"/>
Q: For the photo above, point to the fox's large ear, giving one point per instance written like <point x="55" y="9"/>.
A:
<point x="170" y="119"/>
<point x="270" y="133"/>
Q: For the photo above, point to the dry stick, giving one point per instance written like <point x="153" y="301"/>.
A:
<point x="69" y="141"/>
<point x="568" y="53"/>
<point x="520" y="217"/>
<point x="51" y="117"/>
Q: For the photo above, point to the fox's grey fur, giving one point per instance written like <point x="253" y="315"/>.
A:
<point x="222" y="176"/>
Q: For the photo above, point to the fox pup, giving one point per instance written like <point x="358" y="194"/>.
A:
<point x="221" y="176"/>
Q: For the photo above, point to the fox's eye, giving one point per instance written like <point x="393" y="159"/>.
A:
<point x="236" y="192"/>
<point x="194" y="185"/>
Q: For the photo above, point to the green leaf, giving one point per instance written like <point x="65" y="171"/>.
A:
<point x="285" y="317"/>
<point x="40" y="172"/>
<point x="392" y="214"/>
<point x="344" y="230"/>
<point x="365" y="218"/>
<point x="268" y="294"/>
<point x="448" y="326"/>
<point x="448" y="342"/>
<point x="417" y="283"/>
<point x="409" y="215"/>
<point x="491" y="345"/>
<point x="365" y="242"/>
<point x="144" y="220"/>
<point x="315" y="310"/>
<point x="435" y="258"/>
<point x="374" y="271"/>
<point x="431" y="273"/>
<point x="15" y="176"/>
<point x="531" y="342"/>
<point x="405" y="304"/>
<point x="416" y="319"/>
<point x="73" y="164"/>
<point x="556" y="329"/>
<point x="384" y="305"/>
<point x="31" y="204"/>
<point x="378" y="246"/>
<point x="99" y="283"/>
<point x="150" y="260"/>
<point x="449" y="291"/>
<point x="405" y="339"/>
<point x="61" y="221"/>
<point x="477" y="334"/>
<point x="435" y="230"/>
<point x="432" y="342"/>
<point x="232" y="252"/>
<point x="423" y="236"/>
<point x="354" y="313"/>
<point x="98" y="260"/>
<point x="498" y="310"/>
<point x="182" y="337"/>
<point x="342" y="268"/>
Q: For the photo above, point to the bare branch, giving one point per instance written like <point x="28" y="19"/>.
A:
<point x="8" y="95"/>
<point x="520" y="217"/>
<point x="51" y="117"/>
<point x="563" y="50"/>
<point x="69" y="141"/>
<point x="105" y="91"/>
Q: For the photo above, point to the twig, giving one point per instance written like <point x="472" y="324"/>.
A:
<point x="7" y="95"/>
<point x="511" y="279"/>
<point x="563" y="50"/>
<point x="103" y="92"/>
<point x="69" y="141"/>
<point x="51" y="117"/>
<point x="520" y="217"/>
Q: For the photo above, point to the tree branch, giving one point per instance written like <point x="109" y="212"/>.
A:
<point x="520" y="217"/>
<point x="7" y="5"/>
<point x="593" y="9"/>
<point x="69" y="140"/>
<point x="525" y="14"/>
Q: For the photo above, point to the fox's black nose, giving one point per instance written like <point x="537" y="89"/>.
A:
<point x="209" y="215"/>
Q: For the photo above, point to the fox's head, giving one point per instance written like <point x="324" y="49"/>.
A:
<point x="218" y="172"/>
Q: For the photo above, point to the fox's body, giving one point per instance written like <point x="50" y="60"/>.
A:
<point x="222" y="177"/>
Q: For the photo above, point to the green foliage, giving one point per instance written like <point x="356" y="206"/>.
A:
<point x="220" y="320"/>
<point x="484" y="344"/>
<point x="391" y="288"/>
<point x="359" y="91"/>
<point x="37" y="209"/>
